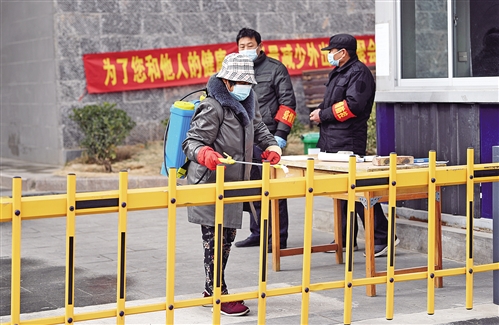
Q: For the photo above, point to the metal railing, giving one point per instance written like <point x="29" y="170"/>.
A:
<point x="72" y="204"/>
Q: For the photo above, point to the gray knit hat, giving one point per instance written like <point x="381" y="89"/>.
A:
<point x="237" y="67"/>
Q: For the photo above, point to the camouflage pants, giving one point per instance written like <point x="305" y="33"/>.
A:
<point x="229" y="234"/>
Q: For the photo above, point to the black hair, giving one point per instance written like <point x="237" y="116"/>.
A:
<point x="251" y="33"/>
<point x="231" y="83"/>
<point x="351" y="53"/>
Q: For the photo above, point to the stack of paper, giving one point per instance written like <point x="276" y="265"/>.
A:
<point x="339" y="156"/>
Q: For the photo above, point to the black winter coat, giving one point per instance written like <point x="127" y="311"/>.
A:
<point x="274" y="88"/>
<point x="354" y="83"/>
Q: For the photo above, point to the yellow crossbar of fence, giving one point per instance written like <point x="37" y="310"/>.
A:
<point x="123" y="200"/>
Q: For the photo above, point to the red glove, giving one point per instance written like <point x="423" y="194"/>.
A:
<point x="272" y="156"/>
<point x="209" y="158"/>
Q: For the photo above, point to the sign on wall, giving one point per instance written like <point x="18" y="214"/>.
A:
<point x="180" y="66"/>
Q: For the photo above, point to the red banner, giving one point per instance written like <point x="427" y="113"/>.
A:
<point x="180" y="66"/>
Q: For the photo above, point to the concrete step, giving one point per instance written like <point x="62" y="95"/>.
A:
<point x="413" y="235"/>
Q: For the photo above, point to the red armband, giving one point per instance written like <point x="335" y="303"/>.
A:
<point x="285" y="115"/>
<point x="342" y="112"/>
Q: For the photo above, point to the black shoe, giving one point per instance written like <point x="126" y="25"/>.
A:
<point x="248" y="242"/>
<point x="282" y="246"/>
<point x="382" y="250"/>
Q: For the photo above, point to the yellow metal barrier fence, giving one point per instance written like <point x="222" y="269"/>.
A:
<point x="72" y="204"/>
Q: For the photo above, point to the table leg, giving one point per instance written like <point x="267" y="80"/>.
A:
<point x="276" y="246"/>
<point x="276" y="240"/>
<point x="369" y="237"/>
<point x="337" y="225"/>
<point x="439" y="282"/>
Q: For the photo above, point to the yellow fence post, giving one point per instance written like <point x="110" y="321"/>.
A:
<point x="432" y="191"/>
<point x="469" y="227"/>
<point x="307" y="240"/>
<point x="70" y="246"/>
<point x="264" y="235"/>
<point x="217" y="266"/>
<point x="121" y="267"/>
<point x="352" y="172"/>
<point x="15" y="287"/>
<point x="170" y="247"/>
<point x="390" y="263"/>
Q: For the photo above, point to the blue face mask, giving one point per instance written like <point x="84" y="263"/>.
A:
<point x="332" y="61"/>
<point x="250" y="53"/>
<point x="240" y="92"/>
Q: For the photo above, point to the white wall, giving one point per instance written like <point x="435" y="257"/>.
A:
<point x="29" y="121"/>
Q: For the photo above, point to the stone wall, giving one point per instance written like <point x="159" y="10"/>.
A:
<point x="92" y="26"/>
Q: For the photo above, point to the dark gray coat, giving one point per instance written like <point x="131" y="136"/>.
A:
<point x="229" y="126"/>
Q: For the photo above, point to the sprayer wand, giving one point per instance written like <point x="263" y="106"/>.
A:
<point x="230" y="161"/>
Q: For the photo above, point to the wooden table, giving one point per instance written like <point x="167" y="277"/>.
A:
<point x="297" y="167"/>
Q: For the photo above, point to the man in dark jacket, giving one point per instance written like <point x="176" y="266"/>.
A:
<point x="277" y="102"/>
<point x="342" y="117"/>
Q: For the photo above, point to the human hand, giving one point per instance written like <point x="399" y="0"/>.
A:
<point x="314" y="116"/>
<point x="280" y="141"/>
<point x="271" y="156"/>
<point x="209" y="158"/>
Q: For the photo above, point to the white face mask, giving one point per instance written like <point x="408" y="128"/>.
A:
<point x="252" y="54"/>
<point x="332" y="61"/>
<point x="240" y="92"/>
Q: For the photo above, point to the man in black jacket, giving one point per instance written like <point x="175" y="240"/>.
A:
<point x="342" y="117"/>
<point x="277" y="102"/>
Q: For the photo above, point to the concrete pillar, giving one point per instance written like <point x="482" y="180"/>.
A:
<point x="495" y="225"/>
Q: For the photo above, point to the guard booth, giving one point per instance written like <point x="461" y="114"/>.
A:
<point x="437" y="86"/>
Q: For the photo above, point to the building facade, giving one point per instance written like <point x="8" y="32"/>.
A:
<point x="438" y="86"/>
<point x="43" y="42"/>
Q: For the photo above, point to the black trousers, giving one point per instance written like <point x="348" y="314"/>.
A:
<point x="283" y="222"/>
<point x="380" y="223"/>
<point x="256" y="174"/>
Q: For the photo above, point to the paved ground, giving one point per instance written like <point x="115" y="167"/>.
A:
<point x="96" y="242"/>
<point x="43" y="263"/>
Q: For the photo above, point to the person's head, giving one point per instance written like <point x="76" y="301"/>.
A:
<point x="238" y="75"/>
<point x="249" y="42"/>
<point x="341" y="48"/>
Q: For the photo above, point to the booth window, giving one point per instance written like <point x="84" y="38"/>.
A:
<point x="462" y="32"/>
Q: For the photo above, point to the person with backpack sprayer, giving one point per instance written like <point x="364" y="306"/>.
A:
<point x="228" y="120"/>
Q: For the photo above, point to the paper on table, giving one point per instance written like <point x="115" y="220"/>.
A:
<point x="295" y="157"/>
<point x="438" y="162"/>
<point x="326" y="156"/>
